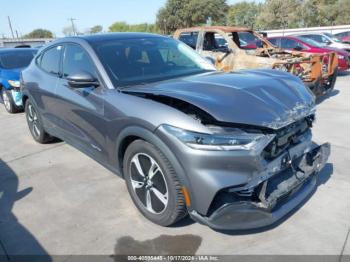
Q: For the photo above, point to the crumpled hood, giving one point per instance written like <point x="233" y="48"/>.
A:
<point x="262" y="97"/>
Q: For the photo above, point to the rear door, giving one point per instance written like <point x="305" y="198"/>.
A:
<point x="80" y="111"/>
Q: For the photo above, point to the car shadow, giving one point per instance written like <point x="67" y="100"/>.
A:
<point x="344" y="73"/>
<point x="326" y="96"/>
<point x="16" y="241"/>
<point x="322" y="179"/>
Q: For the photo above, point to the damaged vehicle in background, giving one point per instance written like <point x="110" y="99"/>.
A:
<point x="327" y="39"/>
<point x="233" y="150"/>
<point x="310" y="46"/>
<point x="344" y="37"/>
<point x="12" y="62"/>
<point x="258" y="53"/>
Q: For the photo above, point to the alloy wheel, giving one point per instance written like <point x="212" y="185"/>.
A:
<point x="148" y="183"/>
<point x="6" y="100"/>
<point x="33" y="121"/>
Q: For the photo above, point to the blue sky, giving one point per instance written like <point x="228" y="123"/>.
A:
<point x="54" y="14"/>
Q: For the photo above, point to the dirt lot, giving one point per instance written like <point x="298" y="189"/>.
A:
<point x="55" y="200"/>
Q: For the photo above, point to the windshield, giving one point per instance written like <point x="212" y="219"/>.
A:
<point x="139" y="61"/>
<point x="310" y="42"/>
<point x="16" y="59"/>
<point x="334" y="38"/>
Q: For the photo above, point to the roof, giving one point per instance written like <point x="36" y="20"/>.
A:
<point x="7" y="50"/>
<point x="114" y="36"/>
<point x="308" y="33"/>
<point x="226" y="29"/>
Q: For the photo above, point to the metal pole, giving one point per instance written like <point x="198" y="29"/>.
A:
<point x="10" y="24"/>
<point x="73" y="26"/>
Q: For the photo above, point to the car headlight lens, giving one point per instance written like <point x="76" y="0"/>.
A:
<point x="236" y="140"/>
<point x="15" y="84"/>
<point x="341" y="56"/>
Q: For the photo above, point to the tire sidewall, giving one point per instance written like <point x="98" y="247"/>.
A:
<point x="12" y="108"/>
<point x="141" y="146"/>
<point x="41" y="137"/>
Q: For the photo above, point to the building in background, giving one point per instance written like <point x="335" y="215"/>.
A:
<point x="15" y="42"/>
<point x="322" y="29"/>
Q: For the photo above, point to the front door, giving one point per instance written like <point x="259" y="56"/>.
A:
<point x="81" y="110"/>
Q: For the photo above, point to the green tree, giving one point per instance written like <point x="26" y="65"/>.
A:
<point x="277" y="14"/>
<point x="124" y="27"/>
<point x="96" y="29"/>
<point x="186" y="13"/>
<point x="39" y="33"/>
<point x="243" y="14"/>
<point x="119" y="27"/>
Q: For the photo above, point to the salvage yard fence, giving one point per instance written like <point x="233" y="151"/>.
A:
<point x="322" y="29"/>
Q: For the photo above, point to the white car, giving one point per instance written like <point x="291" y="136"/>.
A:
<point x="327" y="39"/>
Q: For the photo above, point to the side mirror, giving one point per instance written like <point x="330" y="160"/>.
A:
<point x="298" y="48"/>
<point x="82" y="79"/>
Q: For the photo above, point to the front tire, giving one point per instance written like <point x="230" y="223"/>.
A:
<point x="35" y="124"/>
<point x="152" y="184"/>
<point x="9" y="104"/>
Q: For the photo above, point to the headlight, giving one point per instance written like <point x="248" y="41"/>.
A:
<point x="341" y="56"/>
<point x="236" y="140"/>
<point x="15" y="84"/>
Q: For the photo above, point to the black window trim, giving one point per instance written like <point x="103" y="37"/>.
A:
<point x="40" y="56"/>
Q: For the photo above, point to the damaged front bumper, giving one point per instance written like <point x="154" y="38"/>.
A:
<point x="264" y="204"/>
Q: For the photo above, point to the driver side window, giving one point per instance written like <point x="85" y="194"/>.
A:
<point x="76" y="59"/>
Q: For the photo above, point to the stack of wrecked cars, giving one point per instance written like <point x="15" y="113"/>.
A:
<point x="234" y="48"/>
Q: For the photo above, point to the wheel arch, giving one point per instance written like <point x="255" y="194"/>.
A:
<point x="25" y="97"/>
<point x="130" y="134"/>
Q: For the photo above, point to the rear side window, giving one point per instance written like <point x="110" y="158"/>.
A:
<point x="49" y="61"/>
<point x="275" y="41"/>
<point x="288" y="43"/>
<point x="76" y="60"/>
<point x="189" y="39"/>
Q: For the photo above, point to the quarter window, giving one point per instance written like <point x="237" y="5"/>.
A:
<point x="50" y="60"/>
<point x="76" y="60"/>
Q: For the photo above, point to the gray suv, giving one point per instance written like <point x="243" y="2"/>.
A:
<point x="232" y="150"/>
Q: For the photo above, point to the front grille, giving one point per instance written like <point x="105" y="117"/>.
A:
<point x="287" y="137"/>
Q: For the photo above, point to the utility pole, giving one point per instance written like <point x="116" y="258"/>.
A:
<point x="73" y="26"/>
<point x="10" y="25"/>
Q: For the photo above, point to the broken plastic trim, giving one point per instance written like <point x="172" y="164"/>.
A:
<point x="296" y="172"/>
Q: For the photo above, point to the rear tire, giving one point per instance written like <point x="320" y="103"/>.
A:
<point x="8" y="101"/>
<point x="153" y="184"/>
<point x="35" y="124"/>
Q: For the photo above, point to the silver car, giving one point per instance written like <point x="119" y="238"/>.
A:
<point x="232" y="150"/>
